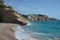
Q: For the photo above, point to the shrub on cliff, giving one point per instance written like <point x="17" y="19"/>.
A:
<point x="2" y="5"/>
<point x="25" y="16"/>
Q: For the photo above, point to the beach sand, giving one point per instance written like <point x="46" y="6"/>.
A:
<point x="30" y="38"/>
<point x="6" y="32"/>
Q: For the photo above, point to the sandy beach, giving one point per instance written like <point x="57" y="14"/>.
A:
<point x="30" y="38"/>
<point x="6" y="33"/>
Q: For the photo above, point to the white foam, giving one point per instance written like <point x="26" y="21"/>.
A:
<point x="28" y="23"/>
<point x="20" y="33"/>
<point x="42" y="33"/>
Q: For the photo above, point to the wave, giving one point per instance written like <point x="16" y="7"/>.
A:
<point x="42" y="33"/>
<point x="28" y="23"/>
<point x="37" y="30"/>
<point x="20" y="33"/>
<point x="35" y="34"/>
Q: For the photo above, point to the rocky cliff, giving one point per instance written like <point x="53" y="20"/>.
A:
<point x="8" y="15"/>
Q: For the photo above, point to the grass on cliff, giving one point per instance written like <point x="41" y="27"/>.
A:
<point x="3" y="6"/>
<point x="25" y="16"/>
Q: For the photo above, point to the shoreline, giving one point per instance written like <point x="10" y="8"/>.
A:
<point x="7" y="33"/>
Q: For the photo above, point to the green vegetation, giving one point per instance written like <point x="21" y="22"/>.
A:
<point x="3" y="6"/>
<point x="25" y="16"/>
<point x="0" y="14"/>
<point x="9" y="7"/>
<point x="40" y="15"/>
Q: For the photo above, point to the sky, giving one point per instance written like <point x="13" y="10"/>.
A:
<point x="46" y="7"/>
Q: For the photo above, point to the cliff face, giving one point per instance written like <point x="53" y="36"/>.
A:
<point x="10" y="16"/>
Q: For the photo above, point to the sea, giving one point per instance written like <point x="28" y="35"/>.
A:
<point x="39" y="29"/>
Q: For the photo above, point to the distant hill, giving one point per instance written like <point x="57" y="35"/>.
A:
<point x="38" y="17"/>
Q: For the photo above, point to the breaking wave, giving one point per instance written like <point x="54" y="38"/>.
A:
<point x="40" y="30"/>
<point x="21" y="33"/>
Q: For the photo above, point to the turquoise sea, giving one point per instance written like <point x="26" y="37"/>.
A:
<point x="39" y="29"/>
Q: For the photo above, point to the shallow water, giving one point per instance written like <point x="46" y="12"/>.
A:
<point x="39" y="29"/>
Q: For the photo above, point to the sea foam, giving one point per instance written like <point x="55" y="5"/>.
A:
<point x="28" y="23"/>
<point x="20" y="33"/>
<point x="38" y="29"/>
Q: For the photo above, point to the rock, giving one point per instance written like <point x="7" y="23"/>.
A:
<point x="52" y="19"/>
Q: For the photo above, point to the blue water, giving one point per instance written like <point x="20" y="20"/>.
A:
<point x="48" y="29"/>
<point x="39" y="29"/>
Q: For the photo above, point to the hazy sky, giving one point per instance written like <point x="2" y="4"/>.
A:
<point x="48" y="7"/>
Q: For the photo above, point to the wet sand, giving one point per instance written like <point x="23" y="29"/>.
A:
<point x="30" y="38"/>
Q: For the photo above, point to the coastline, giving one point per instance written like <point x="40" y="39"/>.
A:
<point x="21" y="35"/>
<point x="8" y="33"/>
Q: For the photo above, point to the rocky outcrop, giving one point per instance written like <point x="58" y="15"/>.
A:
<point x="39" y="17"/>
<point x="52" y="19"/>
